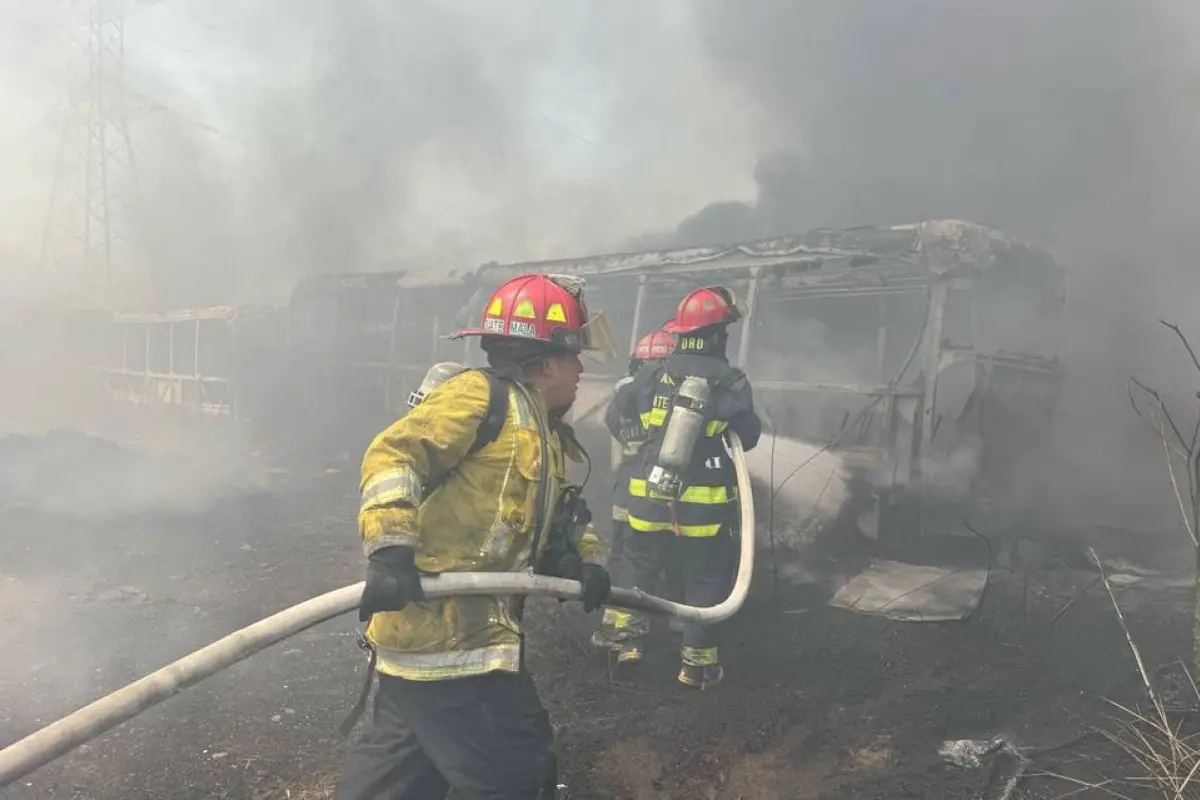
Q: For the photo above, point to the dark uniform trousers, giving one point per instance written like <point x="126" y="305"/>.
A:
<point x="703" y="564"/>
<point x="484" y="737"/>
<point x="620" y="526"/>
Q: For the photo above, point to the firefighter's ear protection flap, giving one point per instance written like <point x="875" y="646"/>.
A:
<point x="600" y="344"/>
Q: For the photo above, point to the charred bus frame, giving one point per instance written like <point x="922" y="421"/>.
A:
<point x="163" y="359"/>
<point x="385" y="329"/>
<point x="961" y="271"/>
<point x="215" y="362"/>
<point x="354" y="345"/>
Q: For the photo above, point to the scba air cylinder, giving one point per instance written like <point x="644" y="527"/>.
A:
<point x="435" y="377"/>
<point x="685" y="426"/>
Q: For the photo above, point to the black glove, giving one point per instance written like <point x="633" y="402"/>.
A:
<point x="596" y="586"/>
<point x="595" y="579"/>
<point x="392" y="582"/>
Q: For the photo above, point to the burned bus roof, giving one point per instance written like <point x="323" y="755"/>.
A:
<point x="938" y="246"/>
<point x="324" y="283"/>
<point x="226" y="313"/>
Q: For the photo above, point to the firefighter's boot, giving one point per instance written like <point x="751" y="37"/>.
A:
<point x="615" y="627"/>
<point x="603" y="640"/>
<point x="629" y="658"/>
<point x="699" y="668"/>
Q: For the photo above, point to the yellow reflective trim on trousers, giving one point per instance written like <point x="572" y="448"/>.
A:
<point x="698" y="656"/>
<point x="617" y="618"/>
<point x="697" y="531"/>
<point x="655" y="417"/>
<point x="697" y="495"/>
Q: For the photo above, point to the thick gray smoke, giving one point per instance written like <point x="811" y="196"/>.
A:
<point x="368" y="134"/>
<point x="1019" y="114"/>
<point x="1065" y="123"/>
<point x="307" y="167"/>
<point x="385" y="82"/>
<point x="428" y="134"/>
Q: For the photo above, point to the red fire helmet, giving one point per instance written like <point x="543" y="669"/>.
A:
<point x="655" y="344"/>
<point x="541" y="307"/>
<point x="703" y="308"/>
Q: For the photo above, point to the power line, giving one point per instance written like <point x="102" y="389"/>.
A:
<point x="89" y="240"/>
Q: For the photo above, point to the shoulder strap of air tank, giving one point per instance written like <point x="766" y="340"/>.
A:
<point x="496" y="414"/>
<point x="489" y="427"/>
<point x="728" y="377"/>
<point x="678" y="372"/>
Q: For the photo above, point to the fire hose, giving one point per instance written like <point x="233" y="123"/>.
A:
<point x="60" y="737"/>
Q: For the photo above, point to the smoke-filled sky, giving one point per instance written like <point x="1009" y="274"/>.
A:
<point x="1017" y="114"/>
<point x="313" y="135"/>
<point x="317" y="135"/>
<point x="328" y="135"/>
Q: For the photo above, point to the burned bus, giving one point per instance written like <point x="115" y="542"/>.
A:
<point x="207" y="371"/>
<point x="902" y="364"/>
<point x="923" y="355"/>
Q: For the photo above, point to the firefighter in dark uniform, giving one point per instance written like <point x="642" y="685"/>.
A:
<point x="688" y="516"/>
<point x="628" y="435"/>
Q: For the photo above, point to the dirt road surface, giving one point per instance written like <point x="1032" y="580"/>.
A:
<point x="818" y="703"/>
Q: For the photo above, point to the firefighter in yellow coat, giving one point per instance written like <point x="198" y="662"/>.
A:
<point x="456" y="711"/>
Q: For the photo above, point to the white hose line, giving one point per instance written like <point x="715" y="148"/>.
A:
<point x="39" y="748"/>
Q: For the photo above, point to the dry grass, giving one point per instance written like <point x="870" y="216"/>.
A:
<point x="1155" y="739"/>
<point x="1169" y="757"/>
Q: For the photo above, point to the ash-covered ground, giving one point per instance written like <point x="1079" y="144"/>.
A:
<point x="818" y="703"/>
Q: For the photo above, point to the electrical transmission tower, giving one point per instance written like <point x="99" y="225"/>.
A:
<point x="90" y="249"/>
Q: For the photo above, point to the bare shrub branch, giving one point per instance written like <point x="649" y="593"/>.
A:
<point x="1170" y="759"/>
<point x="1183" y="339"/>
